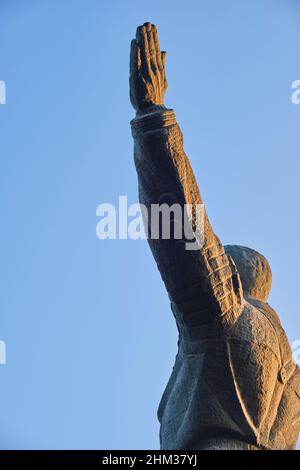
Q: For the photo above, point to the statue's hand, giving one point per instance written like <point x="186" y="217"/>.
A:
<point x="148" y="82"/>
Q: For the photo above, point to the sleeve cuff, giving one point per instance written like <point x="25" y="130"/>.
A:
<point x="153" y="121"/>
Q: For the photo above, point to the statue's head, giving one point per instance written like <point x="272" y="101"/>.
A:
<point x="254" y="271"/>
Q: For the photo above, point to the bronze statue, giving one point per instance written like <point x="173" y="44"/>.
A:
<point x="234" y="384"/>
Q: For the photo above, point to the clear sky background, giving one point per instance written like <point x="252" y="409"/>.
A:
<point x="89" y="333"/>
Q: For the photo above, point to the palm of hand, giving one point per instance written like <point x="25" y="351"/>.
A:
<point x="148" y="82"/>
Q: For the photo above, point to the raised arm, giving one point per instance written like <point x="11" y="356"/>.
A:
<point x="202" y="283"/>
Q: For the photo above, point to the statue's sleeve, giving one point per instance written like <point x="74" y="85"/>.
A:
<point x="203" y="283"/>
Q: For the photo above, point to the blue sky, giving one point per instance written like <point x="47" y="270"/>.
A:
<point x="89" y="333"/>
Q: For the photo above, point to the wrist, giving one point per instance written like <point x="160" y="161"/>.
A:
<point x="153" y="108"/>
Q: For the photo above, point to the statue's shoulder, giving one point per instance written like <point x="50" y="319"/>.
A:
<point x="271" y="315"/>
<point x="257" y="326"/>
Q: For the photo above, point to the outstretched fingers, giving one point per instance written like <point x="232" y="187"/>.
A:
<point x="142" y="41"/>
<point x="133" y="70"/>
<point x="155" y="38"/>
<point x="163" y="59"/>
<point x="152" y="47"/>
<point x="133" y="59"/>
<point x="157" y="48"/>
<point x="148" y="28"/>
